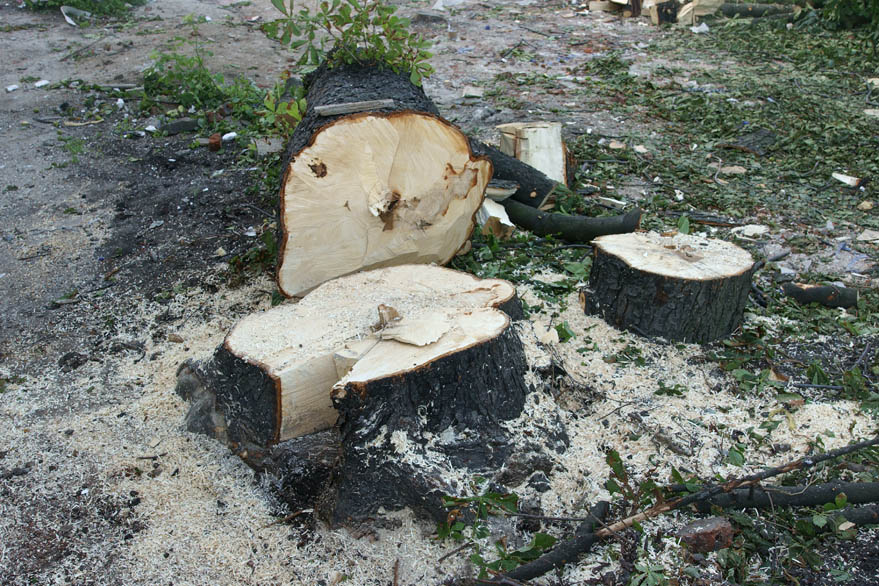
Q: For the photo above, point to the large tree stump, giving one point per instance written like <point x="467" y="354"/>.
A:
<point x="373" y="189"/>
<point x="271" y="379"/>
<point x="419" y="364"/>
<point x="683" y="288"/>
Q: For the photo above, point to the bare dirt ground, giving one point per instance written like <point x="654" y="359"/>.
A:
<point x="113" y="257"/>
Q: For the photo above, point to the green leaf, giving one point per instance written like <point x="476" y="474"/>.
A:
<point x="735" y="457"/>
<point x="684" y="225"/>
<point x="611" y="486"/>
<point x="819" y="520"/>
<point x="565" y="332"/>
<point x="279" y="4"/>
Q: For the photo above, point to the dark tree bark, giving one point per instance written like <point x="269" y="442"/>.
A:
<point x="402" y="435"/>
<point x="534" y="186"/>
<point x="570" y="228"/>
<point x="683" y="288"/>
<point x="827" y="295"/>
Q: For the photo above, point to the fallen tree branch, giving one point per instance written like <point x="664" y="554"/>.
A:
<point x="565" y="552"/>
<point x="827" y="295"/>
<point x="731" y="10"/>
<point x="570" y="228"/>
<point x="712" y="491"/>
<point x="534" y="186"/>
<point x="584" y="539"/>
<point x="761" y="497"/>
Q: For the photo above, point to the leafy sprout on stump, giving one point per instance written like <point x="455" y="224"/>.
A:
<point x="362" y="33"/>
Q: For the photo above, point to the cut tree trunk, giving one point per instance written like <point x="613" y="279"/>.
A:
<point x="682" y="288"/>
<point x="271" y="379"/>
<point x="417" y="366"/>
<point x="372" y="189"/>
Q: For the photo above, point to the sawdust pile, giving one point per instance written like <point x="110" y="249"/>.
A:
<point x="201" y="516"/>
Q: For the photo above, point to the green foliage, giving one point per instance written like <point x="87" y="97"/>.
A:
<point x="673" y="391"/>
<point x="854" y="13"/>
<point x="96" y="7"/>
<point x="630" y="354"/>
<point x="564" y="331"/>
<point x="684" y="224"/>
<point x="260" y="258"/>
<point x="647" y="574"/>
<point x="359" y="32"/>
<point x="638" y="495"/>
<point x="184" y="78"/>
<point x="478" y="508"/>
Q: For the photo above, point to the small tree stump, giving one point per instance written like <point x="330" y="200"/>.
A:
<point x="683" y="288"/>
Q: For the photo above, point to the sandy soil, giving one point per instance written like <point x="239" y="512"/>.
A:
<point x="98" y="484"/>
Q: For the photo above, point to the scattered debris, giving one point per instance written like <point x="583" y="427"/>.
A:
<point x="706" y="535"/>
<point x="869" y="236"/>
<point x="11" y="88"/>
<point x="751" y="230"/>
<point x="71" y="14"/>
<point x="757" y="142"/>
<point x="471" y="91"/>
<point x="215" y="141"/>
<point x="42" y="83"/>
<point x="848" y="179"/>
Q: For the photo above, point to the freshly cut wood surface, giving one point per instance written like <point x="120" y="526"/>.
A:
<point x="683" y="288"/>
<point x="538" y="144"/>
<point x="680" y="256"/>
<point x="377" y="190"/>
<point x="271" y="379"/>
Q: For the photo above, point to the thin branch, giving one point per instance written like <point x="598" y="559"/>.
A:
<point x="708" y="493"/>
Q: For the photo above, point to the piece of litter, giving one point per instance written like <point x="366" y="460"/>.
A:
<point x="868" y="236"/>
<point x="616" y="145"/>
<point x="150" y="128"/>
<point x="701" y="29"/>
<point x="70" y="13"/>
<point x="120" y="103"/>
<point x="847" y="179"/>
<point x="679" y="195"/>
<point x="640" y="149"/>
<point x="156" y="224"/>
<point x="11" y="88"/>
<point x="472" y="92"/>
<point x="220" y="252"/>
<point x="872" y="112"/>
<point x="217" y="173"/>
<point x="42" y="83"/>
<point x="865" y="205"/>
<point x="250" y="232"/>
<point x="751" y="230"/>
<point x="230" y="136"/>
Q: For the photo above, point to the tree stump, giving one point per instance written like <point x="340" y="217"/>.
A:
<point x="417" y="366"/>
<point x="370" y="189"/>
<point x="682" y="288"/>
